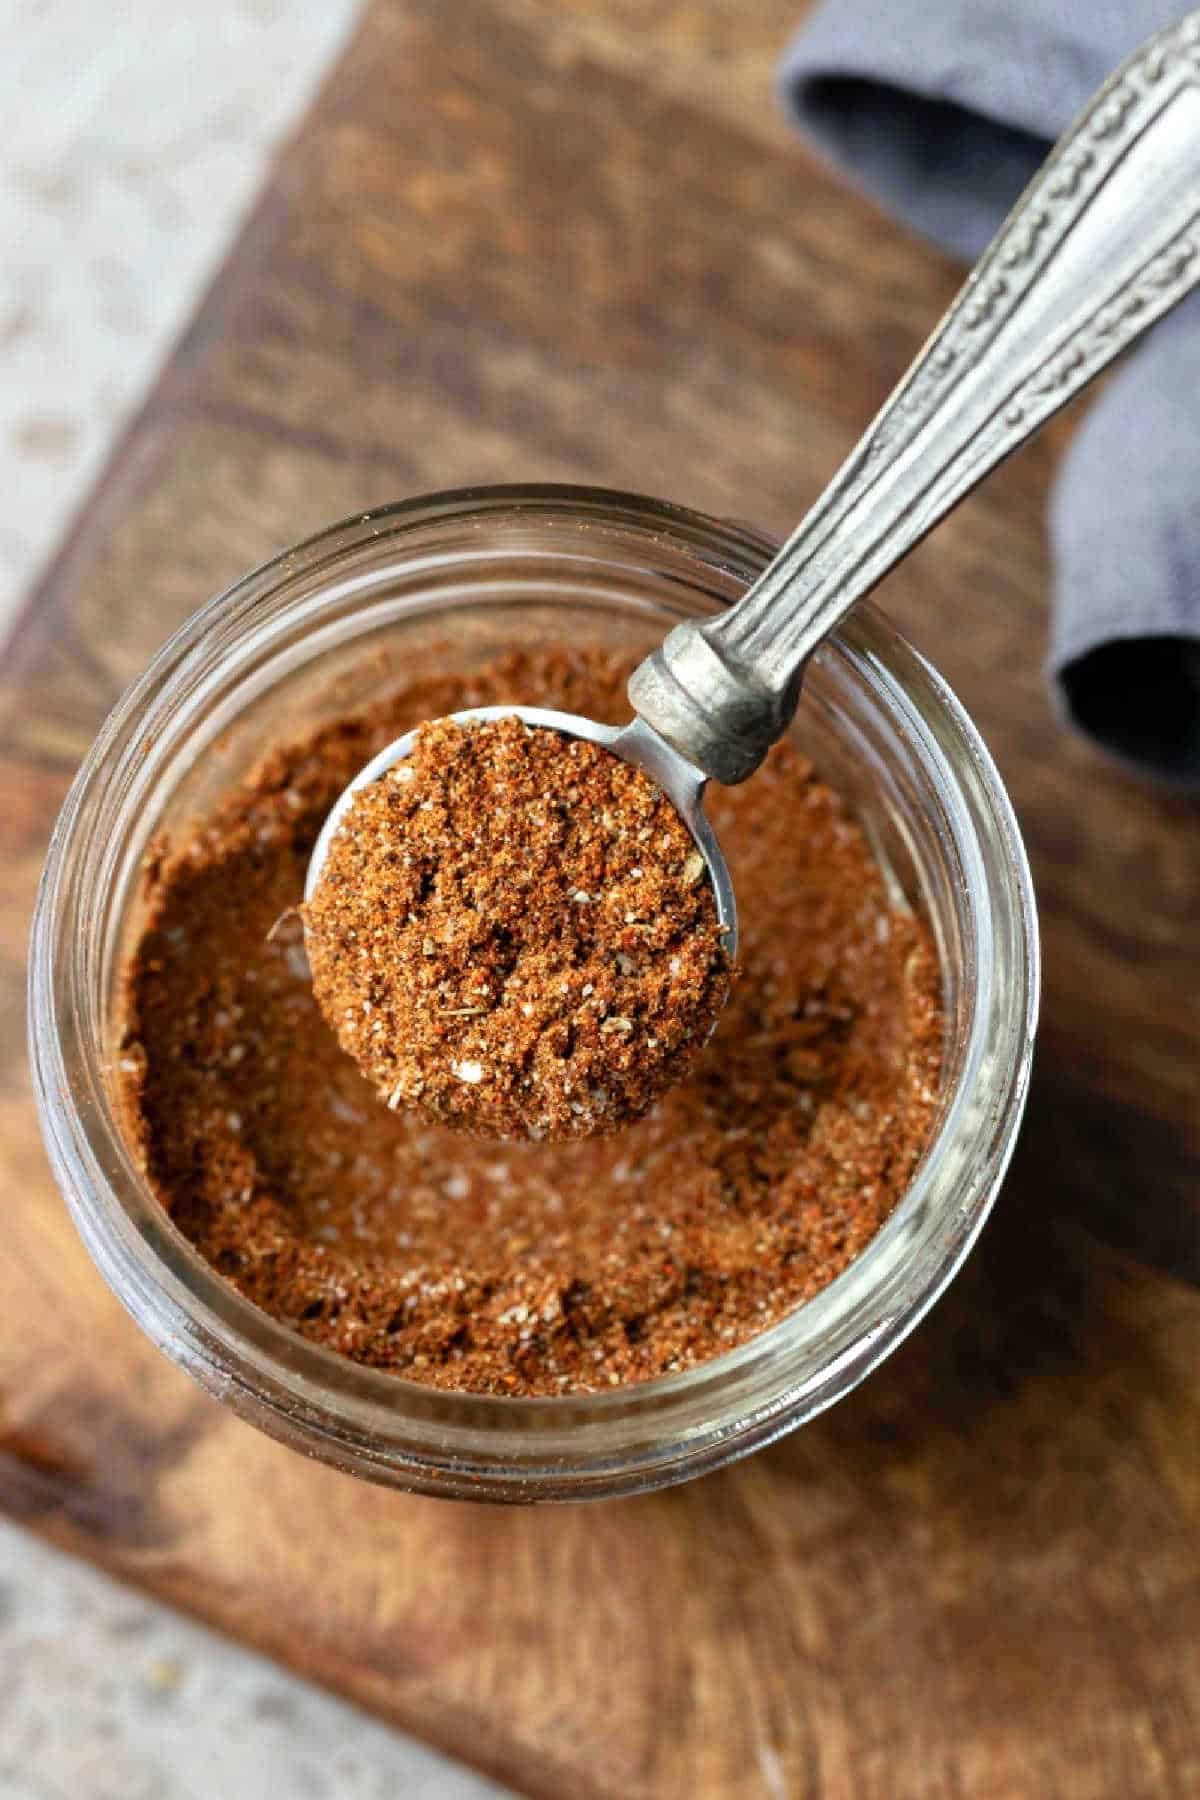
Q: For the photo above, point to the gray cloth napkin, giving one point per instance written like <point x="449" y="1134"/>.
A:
<point x="943" y="109"/>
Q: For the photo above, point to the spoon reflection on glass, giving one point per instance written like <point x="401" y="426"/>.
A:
<point x="1104" y="241"/>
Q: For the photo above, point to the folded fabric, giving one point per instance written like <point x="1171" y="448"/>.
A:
<point x="943" y="109"/>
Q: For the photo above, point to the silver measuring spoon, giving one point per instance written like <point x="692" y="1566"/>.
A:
<point x="634" y="743"/>
<point x="1104" y="241"/>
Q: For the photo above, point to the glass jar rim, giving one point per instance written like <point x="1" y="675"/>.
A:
<point x="354" y="1413"/>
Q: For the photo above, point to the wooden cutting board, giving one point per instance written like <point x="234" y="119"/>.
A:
<point x="570" y="239"/>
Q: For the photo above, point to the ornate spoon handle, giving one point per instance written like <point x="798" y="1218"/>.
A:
<point x="1105" y="239"/>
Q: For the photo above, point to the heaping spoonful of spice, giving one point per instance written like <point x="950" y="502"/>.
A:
<point x="520" y="921"/>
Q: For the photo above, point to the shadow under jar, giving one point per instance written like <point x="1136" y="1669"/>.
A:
<point x="461" y="577"/>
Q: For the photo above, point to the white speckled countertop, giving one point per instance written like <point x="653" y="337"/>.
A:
<point x="104" y="1696"/>
<point x="135" y="137"/>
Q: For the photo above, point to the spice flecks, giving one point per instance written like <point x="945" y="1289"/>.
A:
<point x="493" y="941"/>
<point x="405" y="1245"/>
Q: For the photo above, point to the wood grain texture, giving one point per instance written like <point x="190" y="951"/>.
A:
<point x="526" y="239"/>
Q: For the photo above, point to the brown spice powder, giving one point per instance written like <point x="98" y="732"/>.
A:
<point x="514" y="933"/>
<point x="529" y="1268"/>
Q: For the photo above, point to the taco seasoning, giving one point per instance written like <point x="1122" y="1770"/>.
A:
<point x="545" y="1267"/>
<point x="514" y="933"/>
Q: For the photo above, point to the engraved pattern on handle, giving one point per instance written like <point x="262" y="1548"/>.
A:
<point x="1105" y="239"/>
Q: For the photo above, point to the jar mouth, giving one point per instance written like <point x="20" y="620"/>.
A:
<point x="644" y="1434"/>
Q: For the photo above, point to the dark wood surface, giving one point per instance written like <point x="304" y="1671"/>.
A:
<point x="533" y="238"/>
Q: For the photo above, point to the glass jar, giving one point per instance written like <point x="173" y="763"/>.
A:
<point x="456" y="578"/>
